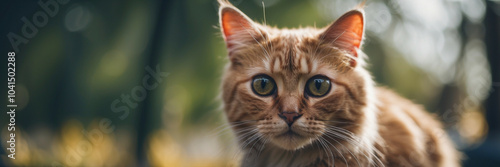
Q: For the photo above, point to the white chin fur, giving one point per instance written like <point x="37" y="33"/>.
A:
<point x="290" y="141"/>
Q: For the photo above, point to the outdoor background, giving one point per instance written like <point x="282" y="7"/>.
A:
<point x="439" y="53"/>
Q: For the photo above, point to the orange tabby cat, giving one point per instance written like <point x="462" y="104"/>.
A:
<point x="302" y="97"/>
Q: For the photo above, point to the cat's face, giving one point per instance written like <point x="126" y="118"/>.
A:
<point x="293" y="87"/>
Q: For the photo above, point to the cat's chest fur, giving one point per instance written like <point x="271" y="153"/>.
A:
<point x="314" y="156"/>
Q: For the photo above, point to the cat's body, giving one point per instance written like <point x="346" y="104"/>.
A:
<point x="302" y="97"/>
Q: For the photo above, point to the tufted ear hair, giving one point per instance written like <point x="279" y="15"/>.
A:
<point x="347" y="32"/>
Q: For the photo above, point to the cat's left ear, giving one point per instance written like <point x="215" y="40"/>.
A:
<point x="347" y="32"/>
<point x="237" y="29"/>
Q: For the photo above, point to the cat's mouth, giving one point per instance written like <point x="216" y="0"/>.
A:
<point x="290" y="134"/>
<point x="290" y="140"/>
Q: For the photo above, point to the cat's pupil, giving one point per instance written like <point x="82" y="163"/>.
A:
<point x="317" y="83"/>
<point x="263" y="83"/>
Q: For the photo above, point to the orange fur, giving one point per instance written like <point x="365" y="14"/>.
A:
<point x="355" y="124"/>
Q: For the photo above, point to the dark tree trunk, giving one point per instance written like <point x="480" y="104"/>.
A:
<point x="488" y="153"/>
<point x="154" y="50"/>
<point x="492" y="39"/>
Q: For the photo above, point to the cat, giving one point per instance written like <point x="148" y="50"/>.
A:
<point x="302" y="97"/>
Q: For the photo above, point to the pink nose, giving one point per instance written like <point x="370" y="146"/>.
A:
<point x="289" y="117"/>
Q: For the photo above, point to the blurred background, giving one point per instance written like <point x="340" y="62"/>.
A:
<point x="82" y="99"/>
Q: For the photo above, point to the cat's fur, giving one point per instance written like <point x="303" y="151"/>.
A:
<point x="355" y="124"/>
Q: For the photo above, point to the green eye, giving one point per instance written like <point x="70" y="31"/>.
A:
<point x="263" y="85"/>
<point x="318" y="86"/>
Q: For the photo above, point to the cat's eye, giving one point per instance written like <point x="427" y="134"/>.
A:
<point x="263" y="85"/>
<point x="318" y="86"/>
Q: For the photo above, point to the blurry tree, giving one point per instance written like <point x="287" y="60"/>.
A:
<point x="488" y="153"/>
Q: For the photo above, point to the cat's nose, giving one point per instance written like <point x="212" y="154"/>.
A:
<point x="289" y="117"/>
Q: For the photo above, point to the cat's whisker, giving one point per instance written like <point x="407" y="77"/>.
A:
<point x="341" y="122"/>
<point x="350" y="139"/>
<point x="233" y="124"/>
<point x="346" y="136"/>
<point x="262" y="146"/>
<point x="337" y="151"/>
<point x="333" y="138"/>
<point x="356" y="142"/>
<point x="255" y="138"/>
<point x="322" y="140"/>
<point x="347" y="140"/>
<point x="252" y="138"/>
<point x="244" y="130"/>
<point x="323" y="146"/>
<point x="320" y="144"/>
<point x="236" y="132"/>
<point x="248" y="133"/>
<point x="264" y="12"/>
<point x="267" y="39"/>
<point x="255" y="39"/>
<point x="262" y="35"/>
<point x="217" y="132"/>
<point x="344" y="131"/>
<point x="246" y="141"/>
<point x="256" y="141"/>
<point x="240" y="132"/>
<point x="354" y="156"/>
<point x="259" y="138"/>
<point x="245" y="121"/>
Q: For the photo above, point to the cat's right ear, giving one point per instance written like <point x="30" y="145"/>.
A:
<point x="237" y="29"/>
<point x="347" y="33"/>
